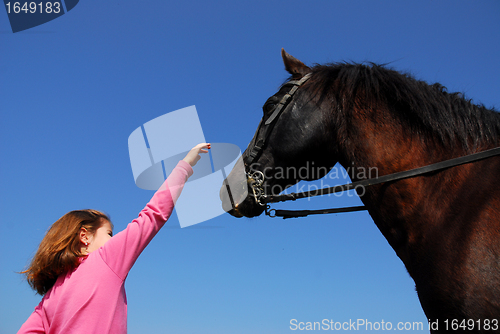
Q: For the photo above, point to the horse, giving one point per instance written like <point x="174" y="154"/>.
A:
<point x="444" y="225"/>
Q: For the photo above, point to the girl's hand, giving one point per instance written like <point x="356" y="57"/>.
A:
<point x="194" y="155"/>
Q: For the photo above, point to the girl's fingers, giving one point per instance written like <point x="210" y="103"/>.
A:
<point x="194" y="155"/>
<point x="204" y="147"/>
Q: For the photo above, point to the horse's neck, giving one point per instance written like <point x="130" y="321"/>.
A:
<point x="403" y="210"/>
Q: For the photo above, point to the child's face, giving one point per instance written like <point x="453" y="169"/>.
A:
<point x="100" y="237"/>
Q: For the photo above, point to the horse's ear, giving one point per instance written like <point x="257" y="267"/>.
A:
<point x="294" y="66"/>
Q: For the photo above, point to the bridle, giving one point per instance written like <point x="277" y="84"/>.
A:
<point x="264" y="131"/>
<point x="256" y="178"/>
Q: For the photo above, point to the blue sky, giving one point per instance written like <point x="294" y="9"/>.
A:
<point x="73" y="89"/>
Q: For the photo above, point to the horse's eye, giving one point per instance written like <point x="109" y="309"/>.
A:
<point x="269" y="107"/>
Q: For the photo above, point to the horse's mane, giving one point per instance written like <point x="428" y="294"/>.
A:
<point x="427" y="110"/>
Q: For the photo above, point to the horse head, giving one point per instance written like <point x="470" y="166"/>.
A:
<point x="290" y="144"/>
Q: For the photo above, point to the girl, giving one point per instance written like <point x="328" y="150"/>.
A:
<point x="80" y="268"/>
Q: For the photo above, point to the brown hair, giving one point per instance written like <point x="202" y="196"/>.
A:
<point x="60" y="249"/>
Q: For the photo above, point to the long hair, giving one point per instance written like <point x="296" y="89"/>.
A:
<point x="60" y="249"/>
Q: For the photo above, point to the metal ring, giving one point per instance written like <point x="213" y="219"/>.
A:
<point x="268" y="212"/>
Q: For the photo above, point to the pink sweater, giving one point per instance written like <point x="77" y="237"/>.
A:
<point x="91" y="298"/>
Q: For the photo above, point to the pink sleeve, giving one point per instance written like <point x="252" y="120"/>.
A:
<point x="123" y="249"/>
<point x="34" y="324"/>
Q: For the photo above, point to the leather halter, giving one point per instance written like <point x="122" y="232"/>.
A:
<point x="263" y="132"/>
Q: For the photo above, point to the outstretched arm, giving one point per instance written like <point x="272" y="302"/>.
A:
<point x="122" y="250"/>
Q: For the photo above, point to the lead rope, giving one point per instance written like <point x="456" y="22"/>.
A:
<point x="364" y="183"/>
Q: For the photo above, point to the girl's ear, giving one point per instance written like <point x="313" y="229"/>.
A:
<point x="84" y="236"/>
